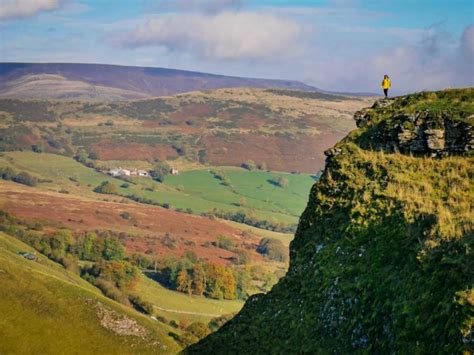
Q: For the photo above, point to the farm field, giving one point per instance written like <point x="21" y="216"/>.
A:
<point x="197" y="191"/>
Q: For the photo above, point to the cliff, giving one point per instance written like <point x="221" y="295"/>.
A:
<point x="382" y="259"/>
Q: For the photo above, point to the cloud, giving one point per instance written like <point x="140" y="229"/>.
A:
<point x="26" y="8"/>
<point x="208" y="6"/>
<point x="229" y="35"/>
<point x="436" y="61"/>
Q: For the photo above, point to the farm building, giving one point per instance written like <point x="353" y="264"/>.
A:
<point x="119" y="172"/>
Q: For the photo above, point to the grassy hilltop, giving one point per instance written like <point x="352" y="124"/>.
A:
<point x="382" y="259"/>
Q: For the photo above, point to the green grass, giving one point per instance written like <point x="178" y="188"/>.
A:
<point x="197" y="190"/>
<point x="205" y="308"/>
<point x="46" y="309"/>
<point x="283" y="204"/>
<point x="58" y="168"/>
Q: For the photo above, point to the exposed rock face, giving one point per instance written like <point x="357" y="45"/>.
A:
<point x="421" y="133"/>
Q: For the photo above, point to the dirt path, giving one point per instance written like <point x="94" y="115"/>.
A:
<point x="187" y="312"/>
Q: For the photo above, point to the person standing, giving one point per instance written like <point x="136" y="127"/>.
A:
<point x="386" y="83"/>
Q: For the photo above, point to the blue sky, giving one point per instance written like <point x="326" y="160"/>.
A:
<point x="332" y="44"/>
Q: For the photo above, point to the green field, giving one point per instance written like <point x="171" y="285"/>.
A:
<point x="179" y="306"/>
<point x="253" y="192"/>
<point x="46" y="309"/>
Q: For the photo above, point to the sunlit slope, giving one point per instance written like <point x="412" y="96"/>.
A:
<point x="48" y="310"/>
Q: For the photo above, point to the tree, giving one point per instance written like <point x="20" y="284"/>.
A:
<point x="249" y="165"/>
<point x="81" y="155"/>
<point x="183" y="282"/>
<point x="106" y="187"/>
<point x="61" y="242"/>
<point x="38" y="148"/>
<point x="229" y="285"/>
<point x="273" y="249"/>
<point x="198" y="329"/>
<point x="113" y="249"/>
<point x="25" y="179"/>
<point x="159" y="171"/>
<point x="199" y="280"/>
<point x="87" y="251"/>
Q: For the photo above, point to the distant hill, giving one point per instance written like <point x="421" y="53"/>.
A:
<point x="285" y="130"/>
<point x="100" y="82"/>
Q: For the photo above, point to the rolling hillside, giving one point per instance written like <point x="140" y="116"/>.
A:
<point x="113" y="82"/>
<point x="46" y="309"/>
<point x="280" y="130"/>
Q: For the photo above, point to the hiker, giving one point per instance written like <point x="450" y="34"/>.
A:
<point x="386" y="83"/>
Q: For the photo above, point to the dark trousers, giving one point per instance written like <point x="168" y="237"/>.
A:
<point x="385" y="91"/>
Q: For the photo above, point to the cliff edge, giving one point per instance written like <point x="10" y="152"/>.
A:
<point x="382" y="261"/>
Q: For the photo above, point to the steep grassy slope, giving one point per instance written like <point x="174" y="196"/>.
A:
<point x="46" y="309"/>
<point x="382" y="260"/>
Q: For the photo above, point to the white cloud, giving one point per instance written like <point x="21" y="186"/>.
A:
<point x="435" y="61"/>
<point x="25" y="8"/>
<point x="229" y="35"/>
<point x="212" y="6"/>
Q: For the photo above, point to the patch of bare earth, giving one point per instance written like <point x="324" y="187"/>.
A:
<point x="110" y="150"/>
<point x="151" y="229"/>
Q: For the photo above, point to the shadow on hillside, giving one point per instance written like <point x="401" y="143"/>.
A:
<point x="162" y="277"/>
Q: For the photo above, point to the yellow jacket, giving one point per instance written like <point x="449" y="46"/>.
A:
<point x="386" y="83"/>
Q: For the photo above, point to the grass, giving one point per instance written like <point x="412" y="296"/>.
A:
<point x="197" y="190"/>
<point x="205" y="308"/>
<point x="46" y="309"/>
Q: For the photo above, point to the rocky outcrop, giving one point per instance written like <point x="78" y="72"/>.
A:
<point x="420" y="133"/>
<point x="381" y="262"/>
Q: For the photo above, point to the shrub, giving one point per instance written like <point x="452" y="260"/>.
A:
<point x="125" y="215"/>
<point x="25" y="179"/>
<point x="106" y="187"/>
<point x="141" y="305"/>
<point x="282" y="182"/>
<point x="224" y="242"/>
<point x="169" y="241"/>
<point x="249" y="165"/>
<point x="273" y="249"/>
<point x="160" y="171"/>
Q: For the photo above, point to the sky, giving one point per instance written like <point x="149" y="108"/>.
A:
<point x="339" y="45"/>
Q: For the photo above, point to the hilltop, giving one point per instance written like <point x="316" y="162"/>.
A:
<point x="100" y="82"/>
<point x="382" y="258"/>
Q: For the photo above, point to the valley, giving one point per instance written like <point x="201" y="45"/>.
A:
<point x="242" y="159"/>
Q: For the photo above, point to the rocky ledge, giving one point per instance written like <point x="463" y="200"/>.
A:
<point x="424" y="132"/>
